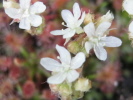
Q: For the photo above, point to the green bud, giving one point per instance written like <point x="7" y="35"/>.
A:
<point x="83" y="85"/>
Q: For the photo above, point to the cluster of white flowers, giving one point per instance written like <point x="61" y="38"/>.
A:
<point x="24" y="13"/>
<point x="97" y="39"/>
<point x="66" y="71"/>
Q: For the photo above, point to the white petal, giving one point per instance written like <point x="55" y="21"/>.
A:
<point x="89" y="29"/>
<point x="102" y="28"/>
<point x="57" y="78"/>
<point x="131" y="27"/>
<point x="13" y="13"/>
<point x="24" y="4"/>
<point x="35" y="20"/>
<point x="65" y="56"/>
<point x="128" y="6"/>
<point x="80" y="21"/>
<point x="37" y="7"/>
<point x="24" y="24"/>
<point x="72" y="76"/>
<point x="100" y="53"/>
<point x="68" y="33"/>
<point x="49" y="64"/>
<point x="67" y="40"/>
<point x="78" y="60"/>
<point x="67" y="16"/>
<point x="112" y="41"/>
<point x="88" y="46"/>
<point x="57" y="32"/>
<point x="76" y="11"/>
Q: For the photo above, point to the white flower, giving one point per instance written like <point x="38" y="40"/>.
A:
<point x="131" y="30"/>
<point x="128" y="6"/>
<point x="66" y="70"/>
<point x="27" y="14"/>
<point x="73" y="22"/>
<point x="97" y="39"/>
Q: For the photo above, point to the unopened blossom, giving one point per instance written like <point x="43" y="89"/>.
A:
<point x="73" y="22"/>
<point x="97" y="39"/>
<point x="108" y="17"/>
<point x="128" y="6"/>
<point x="26" y="14"/>
<point x="66" y="70"/>
<point x="10" y="4"/>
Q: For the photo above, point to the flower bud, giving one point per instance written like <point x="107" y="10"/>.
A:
<point x="10" y="4"/>
<point x="54" y="88"/>
<point x="65" y="89"/>
<point x="88" y="18"/>
<point x="108" y="17"/>
<point x="73" y="47"/>
<point x="82" y="84"/>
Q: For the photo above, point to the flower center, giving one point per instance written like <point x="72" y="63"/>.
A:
<point x="66" y="67"/>
<point x="95" y="40"/>
<point x="25" y="13"/>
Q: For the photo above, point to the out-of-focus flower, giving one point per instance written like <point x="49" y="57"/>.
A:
<point x="15" y="42"/>
<point x="15" y="72"/>
<point x="28" y="89"/>
<point x="72" y="22"/>
<point x="128" y="6"/>
<point x="27" y="15"/>
<point x="109" y="77"/>
<point x="83" y="85"/>
<point x="131" y="30"/>
<point x="5" y="63"/>
<point x="117" y="4"/>
<point x="66" y="70"/>
<point x="48" y="40"/>
<point x="6" y="86"/>
<point x="57" y="4"/>
<point x="97" y="39"/>
<point x="48" y="95"/>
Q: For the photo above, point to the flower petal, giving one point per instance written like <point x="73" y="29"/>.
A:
<point x="67" y="40"/>
<point x="35" y="20"/>
<point x="78" y="60"/>
<point x="76" y="11"/>
<point x="68" y="33"/>
<point x="67" y="17"/>
<point x="13" y="13"/>
<point x="100" y="52"/>
<point x="24" y="4"/>
<point x="57" y="78"/>
<point x="89" y="29"/>
<point x="49" y="64"/>
<point x="102" y="28"/>
<point x="112" y="41"/>
<point x="80" y="21"/>
<point x="72" y="76"/>
<point x="88" y="46"/>
<point x="65" y="56"/>
<point x="128" y="6"/>
<point x="37" y="7"/>
<point x="131" y="27"/>
<point x="25" y="24"/>
<point x="57" y="32"/>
